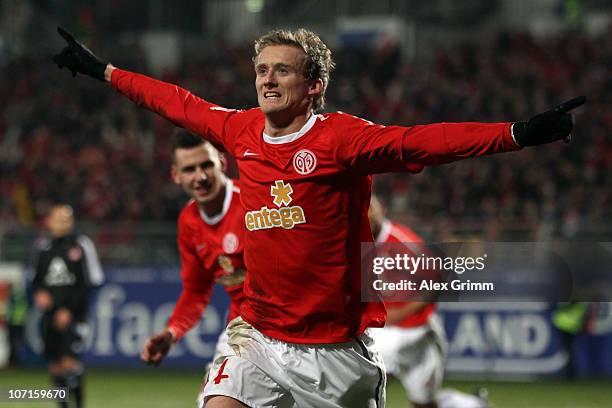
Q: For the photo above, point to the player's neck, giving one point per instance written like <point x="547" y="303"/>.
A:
<point x="215" y="206"/>
<point x="284" y="125"/>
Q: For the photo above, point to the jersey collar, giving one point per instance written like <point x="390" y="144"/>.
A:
<point x="291" y="136"/>
<point x="227" y="200"/>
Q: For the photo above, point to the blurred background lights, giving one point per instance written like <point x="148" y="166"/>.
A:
<point x="254" y="6"/>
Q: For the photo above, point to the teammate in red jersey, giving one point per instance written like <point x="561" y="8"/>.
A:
<point x="413" y="343"/>
<point x="210" y="241"/>
<point x="306" y="180"/>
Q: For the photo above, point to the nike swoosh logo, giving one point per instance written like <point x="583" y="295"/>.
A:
<point x="249" y="153"/>
<point x="200" y="247"/>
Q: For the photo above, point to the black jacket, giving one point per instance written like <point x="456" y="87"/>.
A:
<point x="68" y="268"/>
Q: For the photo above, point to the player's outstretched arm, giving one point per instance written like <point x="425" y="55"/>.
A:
<point x="172" y="102"/>
<point x="379" y="149"/>
<point x="157" y="347"/>
<point x="79" y="59"/>
<point x="441" y="143"/>
<point x="549" y="126"/>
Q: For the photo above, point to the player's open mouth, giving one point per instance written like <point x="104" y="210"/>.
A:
<point x="200" y="189"/>
<point x="271" y="96"/>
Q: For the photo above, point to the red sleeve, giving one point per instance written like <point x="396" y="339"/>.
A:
<point x="197" y="287"/>
<point x="177" y="105"/>
<point x="187" y="312"/>
<point x="377" y="149"/>
<point x="447" y="142"/>
<point x="369" y="147"/>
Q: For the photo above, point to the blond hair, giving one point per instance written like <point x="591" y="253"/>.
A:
<point x="318" y="62"/>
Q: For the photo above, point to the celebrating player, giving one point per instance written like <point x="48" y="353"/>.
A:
<point x="66" y="270"/>
<point x="412" y="343"/>
<point x="306" y="179"/>
<point x="210" y="241"/>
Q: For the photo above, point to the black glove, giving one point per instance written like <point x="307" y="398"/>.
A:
<point x="549" y="126"/>
<point x="78" y="58"/>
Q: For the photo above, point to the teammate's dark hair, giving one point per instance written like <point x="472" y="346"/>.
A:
<point x="181" y="139"/>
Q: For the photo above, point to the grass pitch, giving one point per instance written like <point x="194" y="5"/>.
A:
<point x="163" y="388"/>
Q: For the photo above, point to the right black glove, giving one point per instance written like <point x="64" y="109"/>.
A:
<point x="549" y="126"/>
<point x="78" y="58"/>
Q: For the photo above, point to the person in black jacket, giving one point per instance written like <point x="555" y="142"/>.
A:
<point x="66" y="270"/>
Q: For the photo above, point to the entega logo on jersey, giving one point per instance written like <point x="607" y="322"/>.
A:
<point x="284" y="217"/>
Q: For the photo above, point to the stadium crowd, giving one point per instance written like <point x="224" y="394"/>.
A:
<point x="109" y="158"/>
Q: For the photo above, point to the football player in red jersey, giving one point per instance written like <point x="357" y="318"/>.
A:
<point x="413" y="343"/>
<point x="306" y="179"/>
<point x="210" y="241"/>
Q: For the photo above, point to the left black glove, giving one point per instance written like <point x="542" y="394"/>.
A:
<point x="549" y="126"/>
<point x="78" y="58"/>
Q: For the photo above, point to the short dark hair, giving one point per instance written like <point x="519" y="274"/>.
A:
<point x="182" y="139"/>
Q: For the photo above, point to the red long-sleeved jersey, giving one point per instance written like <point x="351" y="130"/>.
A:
<point x="306" y="197"/>
<point x="211" y="250"/>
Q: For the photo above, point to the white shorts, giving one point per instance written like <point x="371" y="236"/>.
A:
<point x="263" y="372"/>
<point x="415" y="356"/>
<point x="222" y="348"/>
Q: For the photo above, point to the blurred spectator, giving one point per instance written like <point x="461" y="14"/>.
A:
<point x="67" y="271"/>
